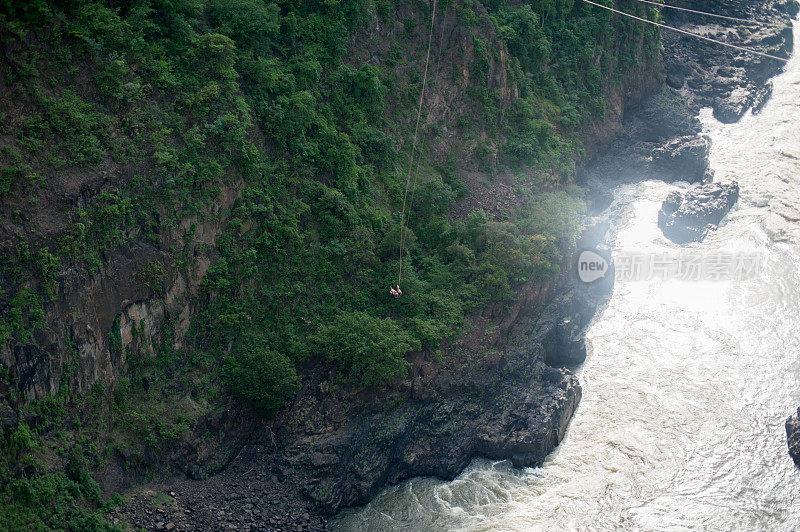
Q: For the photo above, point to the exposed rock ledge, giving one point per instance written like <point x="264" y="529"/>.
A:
<point x="727" y="80"/>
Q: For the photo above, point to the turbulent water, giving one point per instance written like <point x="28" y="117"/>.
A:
<point x="687" y="384"/>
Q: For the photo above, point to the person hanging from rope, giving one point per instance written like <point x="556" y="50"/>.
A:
<point x="396" y="292"/>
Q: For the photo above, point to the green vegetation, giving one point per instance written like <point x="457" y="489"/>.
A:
<point x="47" y="456"/>
<point x="253" y="116"/>
<point x="35" y="497"/>
<point x="152" y="276"/>
<point x="371" y="349"/>
<point x="262" y="377"/>
<point x="565" y="56"/>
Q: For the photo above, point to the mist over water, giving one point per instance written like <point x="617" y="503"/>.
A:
<point x="687" y="384"/>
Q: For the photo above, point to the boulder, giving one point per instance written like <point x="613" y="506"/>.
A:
<point x="793" y="436"/>
<point x="729" y="110"/>
<point x="688" y="217"/>
<point x="684" y="158"/>
<point x="566" y="319"/>
<point x="663" y="116"/>
<point x="675" y="80"/>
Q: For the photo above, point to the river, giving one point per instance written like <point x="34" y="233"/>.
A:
<point x="687" y="384"/>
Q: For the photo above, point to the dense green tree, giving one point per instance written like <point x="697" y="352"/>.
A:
<point x="370" y="350"/>
<point x="259" y="375"/>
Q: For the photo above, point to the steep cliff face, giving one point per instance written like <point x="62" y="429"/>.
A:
<point x="99" y="284"/>
<point x="95" y="318"/>
<point x="193" y="206"/>
<point x="91" y="304"/>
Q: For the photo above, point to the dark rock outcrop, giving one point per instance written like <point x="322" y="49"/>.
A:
<point x="326" y="465"/>
<point x="689" y="217"/>
<point x="711" y="75"/>
<point x="661" y="140"/>
<point x="565" y="346"/>
<point x="521" y="420"/>
<point x="732" y="107"/>
<point x="684" y="158"/>
<point x="793" y="436"/>
<point x="326" y="458"/>
<point x="567" y="318"/>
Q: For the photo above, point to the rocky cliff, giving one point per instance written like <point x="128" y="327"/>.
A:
<point x="728" y="80"/>
<point x="125" y="331"/>
<point x="661" y="139"/>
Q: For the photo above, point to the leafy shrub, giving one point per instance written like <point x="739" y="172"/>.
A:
<point x="77" y="470"/>
<point x="21" y="439"/>
<point x="115" y="338"/>
<point x="23" y="316"/>
<point x="369" y="351"/>
<point x="152" y="276"/>
<point x="260" y="376"/>
<point x="251" y="22"/>
<point x="556" y="215"/>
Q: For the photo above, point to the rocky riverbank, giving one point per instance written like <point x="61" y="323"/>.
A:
<point x="725" y="79"/>
<point x="662" y="139"/>
<point x="508" y="405"/>
<point x="515" y="402"/>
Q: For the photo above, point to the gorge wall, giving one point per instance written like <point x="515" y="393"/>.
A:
<point x="155" y="213"/>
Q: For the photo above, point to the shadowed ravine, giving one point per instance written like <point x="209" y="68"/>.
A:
<point x="687" y="384"/>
